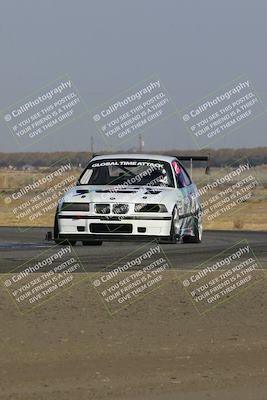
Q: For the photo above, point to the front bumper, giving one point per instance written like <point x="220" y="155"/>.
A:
<point x="80" y="227"/>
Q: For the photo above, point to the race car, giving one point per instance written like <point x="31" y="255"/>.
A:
<point x="130" y="197"/>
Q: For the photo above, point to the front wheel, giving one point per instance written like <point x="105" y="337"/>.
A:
<point x="174" y="231"/>
<point x="56" y="232"/>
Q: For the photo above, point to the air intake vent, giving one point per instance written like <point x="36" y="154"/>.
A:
<point x="111" y="228"/>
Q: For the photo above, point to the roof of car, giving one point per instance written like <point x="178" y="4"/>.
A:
<point x="135" y="156"/>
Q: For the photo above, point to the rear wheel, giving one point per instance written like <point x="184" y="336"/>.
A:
<point x="197" y="232"/>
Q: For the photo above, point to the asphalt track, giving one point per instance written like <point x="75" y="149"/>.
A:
<point x="19" y="245"/>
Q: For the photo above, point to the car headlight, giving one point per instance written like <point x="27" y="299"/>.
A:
<point x="139" y="207"/>
<point x="75" y="206"/>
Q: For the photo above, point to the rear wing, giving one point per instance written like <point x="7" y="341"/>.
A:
<point x="195" y="158"/>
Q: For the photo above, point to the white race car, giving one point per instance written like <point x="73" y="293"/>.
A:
<point x="130" y="196"/>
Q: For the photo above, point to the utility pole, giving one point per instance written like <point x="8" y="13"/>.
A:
<point x="141" y="143"/>
<point x="191" y="168"/>
<point x="92" y="145"/>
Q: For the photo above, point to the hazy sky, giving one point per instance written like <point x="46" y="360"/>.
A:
<point x="107" y="46"/>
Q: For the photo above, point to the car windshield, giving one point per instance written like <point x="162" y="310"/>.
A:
<point x="126" y="172"/>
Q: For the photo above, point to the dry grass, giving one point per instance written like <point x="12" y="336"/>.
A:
<point x="251" y="215"/>
<point x="238" y="223"/>
<point x="12" y="181"/>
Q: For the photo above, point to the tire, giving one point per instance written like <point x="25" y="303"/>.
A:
<point x="197" y="230"/>
<point x="174" y="237"/>
<point x="56" y="231"/>
<point x="92" y="243"/>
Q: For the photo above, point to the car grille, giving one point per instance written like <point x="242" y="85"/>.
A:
<point x="120" y="208"/>
<point x="102" y="208"/>
<point x="116" y="208"/>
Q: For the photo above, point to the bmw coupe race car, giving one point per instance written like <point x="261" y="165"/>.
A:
<point x="130" y="196"/>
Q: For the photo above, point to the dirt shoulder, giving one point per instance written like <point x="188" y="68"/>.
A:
<point x="157" y="348"/>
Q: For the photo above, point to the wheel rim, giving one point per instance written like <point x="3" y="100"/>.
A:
<point x="200" y="229"/>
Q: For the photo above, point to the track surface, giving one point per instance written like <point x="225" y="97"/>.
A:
<point x="17" y="246"/>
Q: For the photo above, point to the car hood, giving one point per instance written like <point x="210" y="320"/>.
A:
<point x="111" y="194"/>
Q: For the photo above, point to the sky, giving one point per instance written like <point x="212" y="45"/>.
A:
<point x="108" y="46"/>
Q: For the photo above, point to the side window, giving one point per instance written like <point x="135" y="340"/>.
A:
<point x="186" y="177"/>
<point x="182" y="177"/>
